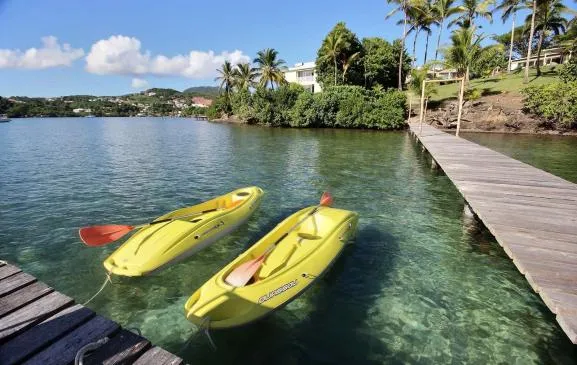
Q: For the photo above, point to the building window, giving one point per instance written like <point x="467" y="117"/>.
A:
<point x="305" y="76"/>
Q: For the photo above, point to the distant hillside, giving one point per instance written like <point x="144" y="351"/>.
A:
<point x="209" y="92"/>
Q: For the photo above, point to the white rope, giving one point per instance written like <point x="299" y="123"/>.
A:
<point x="106" y="281"/>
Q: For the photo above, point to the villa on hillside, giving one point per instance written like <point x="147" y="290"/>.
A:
<point x="303" y="73"/>
<point x="549" y="56"/>
<point x="200" y="102"/>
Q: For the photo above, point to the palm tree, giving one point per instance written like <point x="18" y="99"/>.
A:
<point x="428" y="19"/>
<point x="270" y="68"/>
<point x="347" y="63"/>
<point x="442" y="9"/>
<point x="331" y="49"/>
<point x="419" y="20"/>
<point x="548" y="18"/>
<point x="226" y="77"/>
<point x="401" y="6"/>
<point x="472" y="9"/>
<point x="510" y="7"/>
<point x="465" y="50"/>
<point x="244" y="76"/>
<point x="531" y="34"/>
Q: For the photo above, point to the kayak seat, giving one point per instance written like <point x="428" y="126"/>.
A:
<point x="276" y="260"/>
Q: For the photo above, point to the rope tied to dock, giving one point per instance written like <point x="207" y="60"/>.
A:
<point x="204" y="327"/>
<point x="79" y="359"/>
<point x="106" y="281"/>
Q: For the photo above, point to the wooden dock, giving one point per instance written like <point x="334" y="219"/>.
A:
<point x="531" y="213"/>
<point x="39" y="325"/>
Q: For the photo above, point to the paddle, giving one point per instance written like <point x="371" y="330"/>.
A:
<point x="242" y="274"/>
<point x="102" y="235"/>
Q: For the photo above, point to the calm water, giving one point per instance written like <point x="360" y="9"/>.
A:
<point x="554" y="154"/>
<point x="417" y="286"/>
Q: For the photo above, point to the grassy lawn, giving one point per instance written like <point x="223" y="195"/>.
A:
<point x="494" y="85"/>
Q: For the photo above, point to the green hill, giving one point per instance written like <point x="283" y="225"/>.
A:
<point x="209" y="92"/>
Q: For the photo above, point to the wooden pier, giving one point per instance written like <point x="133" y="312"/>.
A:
<point x="531" y="213"/>
<point x="39" y="325"/>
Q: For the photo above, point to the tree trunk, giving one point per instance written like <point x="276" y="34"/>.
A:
<point x="531" y="33"/>
<point x="439" y="38"/>
<point x="415" y="47"/>
<point x="335" y="59"/>
<point x="511" y="45"/>
<point x="402" y="47"/>
<point x="541" y="36"/>
<point x="426" y="48"/>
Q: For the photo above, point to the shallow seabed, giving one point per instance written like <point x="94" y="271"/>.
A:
<point x="418" y="285"/>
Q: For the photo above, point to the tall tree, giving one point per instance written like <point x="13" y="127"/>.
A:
<point x="549" y="17"/>
<point x="226" y="77"/>
<point x="509" y="9"/>
<point x="244" y="76"/>
<point x="472" y="9"/>
<point x="269" y="68"/>
<point x="531" y="34"/>
<point x="331" y="49"/>
<point x="337" y="47"/>
<point x="401" y="6"/>
<point x="380" y="62"/>
<point x="442" y="10"/>
<point x="348" y="62"/>
<point x="428" y="19"/>
<point x="419" y="19"/>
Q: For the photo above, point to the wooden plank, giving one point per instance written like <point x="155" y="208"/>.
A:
<point x="8" y="270"/>
<point x="31" y="314"/>
<point x="531" y="213"/>
<point x="64" y="350"/>
<point x="15" y="282"/>
<point x="19" y="298"/>
<point x="124" y="347"/>
<point x="43" y="334"/>
<point x="158" y="356"/>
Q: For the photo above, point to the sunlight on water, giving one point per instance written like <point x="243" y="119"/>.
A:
<point x="418" y="285"/>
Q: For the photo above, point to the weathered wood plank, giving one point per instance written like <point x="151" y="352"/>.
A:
<point x="38" y="337"/>
<point x="19" y="298"/>
<point x="31" y="314"/>
<point x="123" y="348"/>
<point x="531" y="213"/>
<point x="8" y="270"/>
<point x="158" y="356"/>
<point x="64" y="350"/>
<point x="15" y="282"/>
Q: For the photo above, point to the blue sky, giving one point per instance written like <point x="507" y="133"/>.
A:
<point x="121" y="46"/>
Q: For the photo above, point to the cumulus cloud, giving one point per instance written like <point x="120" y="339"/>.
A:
<point x="139" y="83"/>
<point x="122" y="55"/>
<point x="51" y="54"/>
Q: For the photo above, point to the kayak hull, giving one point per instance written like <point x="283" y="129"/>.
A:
<point x="156" y="246"/>
<point x="288" y="270"/>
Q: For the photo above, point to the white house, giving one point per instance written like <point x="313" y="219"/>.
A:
<point x="304" y="73"/>
<point x="549" y="56"/>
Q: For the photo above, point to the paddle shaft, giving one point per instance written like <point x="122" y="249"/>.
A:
<point x="272" y="246"/>
<point x="174" y="218"/>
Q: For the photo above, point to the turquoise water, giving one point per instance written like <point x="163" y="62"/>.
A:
<point x="418" y="285"/>
<point x="554" y="154"/>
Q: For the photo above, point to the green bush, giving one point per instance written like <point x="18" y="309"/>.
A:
<point x="568" y="71"/>
<point x="219" y="108"/>
<point x="555" y="102"/>
<point x="350" y="107"/>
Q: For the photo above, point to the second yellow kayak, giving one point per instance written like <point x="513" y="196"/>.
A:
<point x="290" y="268"/>
<point x="158" y="245"/>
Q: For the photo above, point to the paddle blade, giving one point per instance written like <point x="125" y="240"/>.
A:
<point x="326" y="199"/>
<point x="101" y="235"/>
<point x="242" y="274"/>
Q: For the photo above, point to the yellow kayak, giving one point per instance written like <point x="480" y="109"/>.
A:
<point x="289" y="269"/>
<point x="193" y="229"/>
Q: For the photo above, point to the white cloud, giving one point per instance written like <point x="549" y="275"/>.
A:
<point x="139" y="83"/>
<point x="122" y="55"/>
<point x="51" y="54"/>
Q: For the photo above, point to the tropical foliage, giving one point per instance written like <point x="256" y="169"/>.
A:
<point x="380" y="63"/>
<point x="337" y="50"/>
<point x="556" y="103"/>
<point x="269" y="68"/>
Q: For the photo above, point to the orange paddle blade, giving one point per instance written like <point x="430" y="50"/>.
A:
<point x="101" y="235"/>
<point x="242" y="274"/>
<point x="326" y="199"/>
